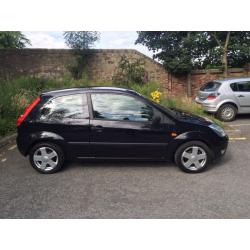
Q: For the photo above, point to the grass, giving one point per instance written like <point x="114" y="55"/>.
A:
<point x="187" y="104"/>
<point x="16" y="94"/>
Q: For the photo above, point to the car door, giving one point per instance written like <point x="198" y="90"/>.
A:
<point x="68" y="117"/>
<point x="242" y="94"/>
<point x="124" y="126"/>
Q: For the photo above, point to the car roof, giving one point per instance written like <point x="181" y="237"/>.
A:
<point x="231" y="80"/>
<point x="70" y="91"/>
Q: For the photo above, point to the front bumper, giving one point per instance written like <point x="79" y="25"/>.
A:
<point x="220" y="148"/>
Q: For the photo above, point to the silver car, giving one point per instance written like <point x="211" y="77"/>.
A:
<point x="225" y="98"/>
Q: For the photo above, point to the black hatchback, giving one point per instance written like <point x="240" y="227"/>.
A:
<point x="114" y="123"/>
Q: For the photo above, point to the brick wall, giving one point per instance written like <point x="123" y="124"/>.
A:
<point x="199" y="77"/>
<point x="54" y="63"/>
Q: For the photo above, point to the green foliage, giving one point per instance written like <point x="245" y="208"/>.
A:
<point x="175" y="49"/>
<point x="13" y="39"/>
<point x="146" y="89"/>
<point x="79" y="65"/>
<point x="17" y="94"/>
<point x="81" y="42"/>
<point x="238" y="50"/>
<point x="180" y="52"/>
<point x="128" y="72"/>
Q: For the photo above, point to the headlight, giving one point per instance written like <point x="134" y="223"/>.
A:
<point x="217" y="129"/>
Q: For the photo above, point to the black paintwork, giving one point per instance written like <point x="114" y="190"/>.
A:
<point x="97" y="138"/>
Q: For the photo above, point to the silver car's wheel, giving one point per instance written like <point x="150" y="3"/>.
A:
<point x="227" y="112"/>
<point x="194" y="158"/>
<point x="45" y="158"/>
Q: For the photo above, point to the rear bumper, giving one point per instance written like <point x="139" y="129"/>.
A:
<point x="22" y="145"/>
<point x="207" y="106"/>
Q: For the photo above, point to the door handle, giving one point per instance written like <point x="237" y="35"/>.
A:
<point x="241" y="96"/>
<point x="97" y="128"/>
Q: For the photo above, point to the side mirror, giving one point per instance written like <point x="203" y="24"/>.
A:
<point x="156" y="121"/>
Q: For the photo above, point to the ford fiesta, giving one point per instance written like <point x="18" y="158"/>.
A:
<point x="114" y="123"/>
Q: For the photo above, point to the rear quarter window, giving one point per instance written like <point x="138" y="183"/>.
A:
<point x="210" y="86"/>
<point x="234" y="86"/>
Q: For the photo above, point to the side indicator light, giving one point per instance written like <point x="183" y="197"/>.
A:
<point x="173" y="134"/>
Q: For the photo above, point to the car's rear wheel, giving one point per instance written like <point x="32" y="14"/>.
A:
<point x="46" y="158"/>
<point x="226" y="113"/>
<point x="193" y="157"/>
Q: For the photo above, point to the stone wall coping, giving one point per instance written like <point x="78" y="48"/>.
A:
<point x="216" y="71"/>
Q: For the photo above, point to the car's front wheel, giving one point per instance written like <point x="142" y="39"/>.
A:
<point x="46" y="158"/>
<point x="193" y="157"/>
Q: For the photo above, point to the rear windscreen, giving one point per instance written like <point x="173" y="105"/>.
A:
<point x="210" y="86"/>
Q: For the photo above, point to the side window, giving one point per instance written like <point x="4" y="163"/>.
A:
<point x="65" y="108"/>
<point x="120" y="107"/>
<point x="234" y="86"/>
<point x="243" y="86"/>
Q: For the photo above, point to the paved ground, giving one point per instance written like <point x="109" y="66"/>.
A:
<point x="130" y="190"/>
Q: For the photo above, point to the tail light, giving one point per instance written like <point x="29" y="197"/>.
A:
<point x="22" y="117"/>
<point x="212" y="97"/>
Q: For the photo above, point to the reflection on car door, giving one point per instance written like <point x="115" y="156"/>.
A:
<point x="122" y="127"/>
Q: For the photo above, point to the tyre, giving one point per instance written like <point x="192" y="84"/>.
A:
<point x="226" y="113"/>
<point x="193" y="157"/>
<point x="46" y="158"/>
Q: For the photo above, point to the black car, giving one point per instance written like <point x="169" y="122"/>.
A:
<point x="114" y="123"/>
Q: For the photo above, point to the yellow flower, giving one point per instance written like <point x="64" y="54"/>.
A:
<point x="156" y="96"/>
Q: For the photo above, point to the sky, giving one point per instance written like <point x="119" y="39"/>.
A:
<point x="108" y="40"/>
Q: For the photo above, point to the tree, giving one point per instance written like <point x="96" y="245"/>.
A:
<point x="13" y="39"/>
<point x="81" y="42"/>
<point x="176" y="50"/>
<point x="180" y="52"/>
<point x="229" y="49"/>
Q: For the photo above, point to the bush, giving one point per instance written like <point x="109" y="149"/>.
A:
<point x="129" y="72"/>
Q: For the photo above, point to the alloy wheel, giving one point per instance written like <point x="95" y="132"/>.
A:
<point x="194" y="158"/>
<point x="45" y="158"/>
<point x="227" y="113"/>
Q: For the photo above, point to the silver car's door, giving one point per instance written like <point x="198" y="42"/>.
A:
<point x="242" y="94"/>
